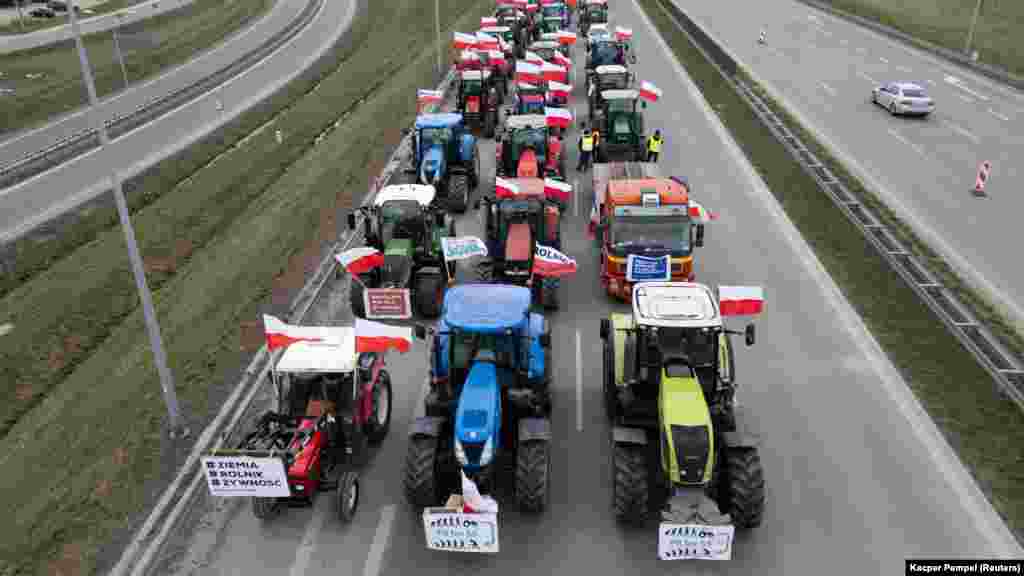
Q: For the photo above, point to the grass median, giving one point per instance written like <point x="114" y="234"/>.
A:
<point x="47" y="81"/>
<point x="985" y="428"/>
<point x="92" y="441"/>
<point x="997" y="37"/>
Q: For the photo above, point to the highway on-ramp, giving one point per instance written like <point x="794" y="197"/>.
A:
<point x="857" y="478"/>
<point x="824" y="67"/>
<point x="53" y="192"/>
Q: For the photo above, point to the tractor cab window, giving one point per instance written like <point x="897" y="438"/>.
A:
<point x="606" y="53"/>
<point x="464" y="347"/>
<point x="501" y="347"/>
<point x="515" y="211"/>
<point x="622" y="105"/>
<point x="430" y="137"/>
<point x="621" y="126"/>
<point x="530" y="138"/>
<point x="471" y="87"/>
<point x="400" y="219"/>
<point x="614" y="81"/>
<point x="630" y="233"/>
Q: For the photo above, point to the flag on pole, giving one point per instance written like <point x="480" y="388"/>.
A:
<point x="281" y="335"/>
<point x="526" y="72"/>
<point x="550" y="262"/>
<point x="505" y="188"/>
<point x="488" y="21"/>
<point x="740" y="300"/>
<point x="557" y="190"/>
<point x="473" y="501"/>
<point x="649" y="91"/>
<point x="554" y="72"/>
<point x="485" y="41"/>
<point x="379" y="337"/>
<point x="532" y="7"/>
<point x="559" y="90"/>
<point x="464" y="41"/>
<point x="429" y="96"/>
<point x="562" y="60"/>
<point x="702" y="215"/>
<point x="533" y="58"/>
<point x="558" y="117"/>
<point x="496" y="56"/>
<point x="360" y="260"/>
<point x="566" y="37"/>
<point x="623" y="33"/>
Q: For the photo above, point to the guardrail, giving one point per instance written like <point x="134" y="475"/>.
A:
<point x="1004" y="367"/>
<point x="81" y="142"/>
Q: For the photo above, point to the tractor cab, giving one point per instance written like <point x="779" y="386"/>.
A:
<point x="607" y="77"/>
<point x="593" y="12"/>
<point x="606" y="52"/>
<point x="477" y="99"/>
<point x="528" y="99"/>
<point x="598" y="32"/>
<point x="551" y="23"/>
<point x="445" y="156"/>
<point x="621" y="127"/>
<point x="526" y="148"/>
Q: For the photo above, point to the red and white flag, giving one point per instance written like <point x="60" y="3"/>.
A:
<point x="281" y="335"/>
<point x="649" y="91"/>
<point x="557" y="190"/>
<point x="623" y="33"/>
<point x="532" y="7"/>
<point x="554" y="72"/>
<point x="473" y="501"/>
<point x="496" y="56"/>
<point x="562" y="60"/>
<point x="740" y="300"/>
<point x="533" y="58"/>
<point x="526" y="87"/>
<point x="429" y="96"/>
<point x="485" y="41"/>
<point x="379" y="337"/>
<point x="526" y="72"/>
<point x="559" y="90"/>
<point x="360" y="260"/>
<point x="558" y="117"/>
<point x="488" y="21"/>
<point x="550" y="262"/>
<point x="592" y="225"/>
<point x="464" y="41"/>
<point x="566" y="37"/>
<point x="701" y="214"/>
<point x="505" y="188"/>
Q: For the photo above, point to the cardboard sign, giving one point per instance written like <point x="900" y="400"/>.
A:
<point x="454" y="531"/>
<point x="233" y="476"/>
<point x="694" y="542"/>
<point x="387" y="303"/>
<point x="647" y="269"/>
<point x="462" y="247"/>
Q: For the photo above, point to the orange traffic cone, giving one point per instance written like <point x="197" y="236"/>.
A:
<point x="979" y="182"/>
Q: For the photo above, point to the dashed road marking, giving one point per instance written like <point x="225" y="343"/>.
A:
<point x="907" y="143"/>
<point x="305" y="551"/>
<point x="959" y="84"/>
<point x="962" y="131"/>
<point x="884" y="61"/>
<point x="381" y="541"/>
<point x="990" y="111"/>
<point x="579" y="383"/>
<point x="829" y="89"/>
<point x="866" y="77"/>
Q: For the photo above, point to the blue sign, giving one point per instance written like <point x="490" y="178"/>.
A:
<point x="647" y="269"/>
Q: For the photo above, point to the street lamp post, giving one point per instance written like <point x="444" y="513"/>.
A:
<point x="152" y="327"/>
<point x="117" y="45"/>
<point x="970" y="31"/>
<point x="437" y="28"/>
<point x="21" y="17"/>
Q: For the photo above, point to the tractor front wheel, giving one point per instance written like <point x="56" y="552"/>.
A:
<point x="420" y="481"/>
<point x="744" y="487"/>
<point x="629" y="486"/>
<point x="379" y="422"/>
<point x="429" y="295"/>
<point x="611" y="397"/>
<point x="355" y="298"/>
<point x="348" y="495"/>
<point x="490" y="123"/>
<point x="264" y="508"/>
<point x="532" y="470"/>
<point x="484" y="271"/>
<point x="549" y="293"/>
<point x="458" y="193"/>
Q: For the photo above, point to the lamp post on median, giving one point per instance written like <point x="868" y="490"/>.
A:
<point x="970" y="31"/>
<point x="21" y="17"/>
<point x="117" y="44"/>
<point x="437" y="28"/>
<point x="152" y="327"/>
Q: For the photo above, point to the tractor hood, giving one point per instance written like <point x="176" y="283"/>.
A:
<point x="433" y="166"/>
<point x="687" y="436"/>
<point x="398" y="262"/>
<point x="478" y="414"/>
<point x="528" y="165"/>
<point x="518" y="243"/>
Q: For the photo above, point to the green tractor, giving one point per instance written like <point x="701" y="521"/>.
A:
<point x="669" y="388"/>
<point x="621" y="127"/>
<point x="603" y="78"/>
<point x="407" y="228"/>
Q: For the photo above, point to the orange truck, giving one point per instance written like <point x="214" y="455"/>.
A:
<point x="646" y="225"/>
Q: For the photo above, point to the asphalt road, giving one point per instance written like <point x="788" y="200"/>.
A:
<point x="51" y="193"/>
<point x="856" y="479"/>
<point x="824" y="67"/>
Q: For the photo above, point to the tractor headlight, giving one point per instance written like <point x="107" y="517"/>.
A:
<point x="460" y="454"/>
<point x="488" y="452"/>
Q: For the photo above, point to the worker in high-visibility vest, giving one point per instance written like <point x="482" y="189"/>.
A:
<point x="654" y="146"/>
<point x="587" y="142"/>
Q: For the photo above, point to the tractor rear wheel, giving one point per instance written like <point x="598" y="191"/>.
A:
<point x="420" y="480"/>
<point x="379" y="422"/>
<point x="429" y="295"/>
<point x="532" y="469"/>
<point x="744" y="487"/>
<point x="629" y="485"/>
<point x="549" y="293"/>
<point x="489" y="124"/>
<point x="611" y="398"/>
<point x="355" y="298"/>
<point x="484" y="271"/>
<point x="458" y="193"/>
<point x="264" y="508"/>
<point x="348" y="495"/>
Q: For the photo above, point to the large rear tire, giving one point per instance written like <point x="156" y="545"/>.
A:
<point x="355" y="298"/>
<point x="744" y="487"/>
<point x="484" y="269"/>
<point x="611" y="398"/>
<point x="429" y="295"/>
<point x="420" y="480"/>
<point x="629" y="485"/>
<point x="379" y="424"/>
<point x="458" y="193"/>
<point x="489" y="125"/>
<point x="532" y="471"/>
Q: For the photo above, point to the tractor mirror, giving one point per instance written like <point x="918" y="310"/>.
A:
<point x="749" y="335"/>
<point x="545" y="340"/>
<point x="439" y="219"/>
<point x="351" y="221"/>
<point x="643" y="105"/>
<point x="476" y="204"/>
<point x="700" y="236"/>
<point x="606" y="328"/>
<point x="420" y="331"/>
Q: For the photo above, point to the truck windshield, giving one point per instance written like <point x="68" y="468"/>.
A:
<point x="655" y="232"/>
<point x="466" y="345"/>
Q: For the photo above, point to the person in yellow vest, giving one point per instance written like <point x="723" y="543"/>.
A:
<point x="587" y="143"/>
<point x="654" y="146"/>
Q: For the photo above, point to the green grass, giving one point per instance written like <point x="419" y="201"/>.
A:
<point x="175" y="37"/>
<point x="34" y="24"/>
<point x="986" y="429"/>
<point x="997" y="37"/>
<point x="92" y="439"/>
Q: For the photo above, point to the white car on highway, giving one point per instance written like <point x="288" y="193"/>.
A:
<point x="903" y="98"/>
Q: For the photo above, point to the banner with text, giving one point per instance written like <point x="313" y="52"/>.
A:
<point x="694" y="542"/>
<point x="462" y="247"/>
<point x="453" y="531"/>
<point x="246" y="476"/>
<point x="392" y="303"/>
<point x="647" y="269"/>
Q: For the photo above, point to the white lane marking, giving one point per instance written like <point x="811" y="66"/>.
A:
<point x="868" y="78"/>
<point x="904" y="69"/>
<point x="907" y="143"/>
<point x="579" y="384"/>
<point x="829" y="89"/>
<point x="861" y="50"/>
<point x="381" y="541"/>
<point x="575" y="197"/>
<point x="931" y="82"/>
<point x="884" y="61"/>
<point x="6" y="329"/>
<point x="305" y="551"/>
<point x="959" y="84"/>
<point x="962" y="131"/>
<point x="965" y="98"/>
<point x="843" y="41"/>
<point x="987" y="521"/>
<point x="998" y="115"/>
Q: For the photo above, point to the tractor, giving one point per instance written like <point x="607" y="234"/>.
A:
<point x="592" y="12"/>
<point x="606" y="77"/>
<point x="526" y="148"/>
<point x="670" y="393"/>
<point x="489" y="403"/>
<point x="480" y="61"/>
<point x="505" y="71"/>
<point x="528" y="99"/>
<point x="555" y="17"/>
<point x="605" y="52"/>
<point x="478" y="101"/>
<point x="445" y="156"/>
<point x="513" y="226"/>
<point x="621" y="127"/>
<point x="403" y="224"/>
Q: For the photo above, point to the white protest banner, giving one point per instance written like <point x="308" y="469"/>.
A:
<point x="462" y="247"/>
<point x="694" y="542"/>
<point x="246" y="476"/>
<point x="454" y="531"/>
<point x="392" y="303"/>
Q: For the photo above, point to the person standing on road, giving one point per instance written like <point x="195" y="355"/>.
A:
<point x="586" y="146"/>
<point x="654" y="146"/>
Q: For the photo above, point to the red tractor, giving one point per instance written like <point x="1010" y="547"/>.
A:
<point x="527" y="149"/>
<point x="480" y="60"/>
<point x="478" y="101"/>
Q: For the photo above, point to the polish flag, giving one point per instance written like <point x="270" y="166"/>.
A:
<point x="546" y="2"/>
<point x="558" y="89"/>
<point x="558" y="117"/>
<point x="649" y="91"/>
<point x="505" y="188"/>
<point x="488" y="21"/>
<point x="526" y="72"/>
<point x="532" y="7"/>
<point x="496" y="56"/>
<point x="379" y="337"/>
<point x="554" y="72"/>
<point x="473" y="501"/>
<point x="429" y="96"/>
<point x="360" y="260"/>
<point x="281" y="335"/>
<point x="533" y="58"/>
<point x="562" y="60"/>
<point x="550" y="262"/>
<point x="740" y="300"/>
<point x="623" y="33"/>
<point x="557" y="190"/>
<point x="702" y="215"/>
<point x="485" y="41"/>
<point x="566" y="37"/>
<point x="464" y="41"/>
<point x="526" y="86"/>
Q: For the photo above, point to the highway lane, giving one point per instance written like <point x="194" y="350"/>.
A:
<point x="854" y="483"/>
<point x="824" y="67"/>
<point x="51" y="193"/>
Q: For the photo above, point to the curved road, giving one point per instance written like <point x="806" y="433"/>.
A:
<point x="824" y="67"/>
<point x="51" y="193"/>
<point x="858" y="479"/>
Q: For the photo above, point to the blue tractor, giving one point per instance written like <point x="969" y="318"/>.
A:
<point x="489" y="403"/>
<point x="445" y="156"/>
